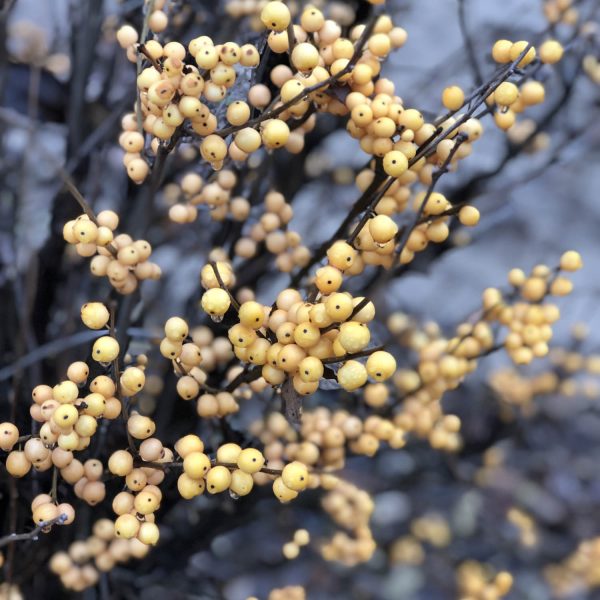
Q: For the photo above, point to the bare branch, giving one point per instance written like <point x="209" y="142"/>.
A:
<point x="33" y="534"/>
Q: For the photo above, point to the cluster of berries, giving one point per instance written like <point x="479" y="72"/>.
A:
<point x="121" y="259"/>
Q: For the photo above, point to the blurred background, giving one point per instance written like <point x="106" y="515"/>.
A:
<point x="523" y="493"/>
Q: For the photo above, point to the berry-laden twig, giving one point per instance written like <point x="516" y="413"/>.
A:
<point x="379" y="186"/>
<point x="245" y="376"/>
<point x="87" y="209"/>
<point x="142" y="50"/>
<point x="459" y="140"/>
<point x="234" y="302"/>
<point x="138" y="64"/>
<point x="214" y="462"/>
<point x="468" y="41"/>
<point x="116" y="377"/>
<point x="275" y="112"/>
<point x="345" y="357"/>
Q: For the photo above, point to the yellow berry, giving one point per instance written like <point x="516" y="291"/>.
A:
<point x="275" y="16"/>
<point x="561" y="286"/>
<point x="85" y="231"/>
<point x="17" y="464"/>
<point x="506" y="93"/>
<point x="241" y="482"/>
<point x="132" y="380"/>
<point x="504" y="119"/>
<point x="295" y="476"/>
<point x="305" y="57"/>
<point x="354" y="336"/>
<point x="339" y="306"/>
<point x="311" y="19"/>
<point x="189" y="488"/>
<point x="534" y="289"/>
<point x="381" y="365"/>
<point x="341" y="255"/>
<point x="248" y="140"/>
<point x="571" y="261"/>
<point x="213" y="148"/>
<point x="228" y="453"/>
<point x="196" y="465"/>
<point x="45" y="512"/>
<point x="148" y="533"/>
<point x="382" y="229"/>
<point x="126" y="36"/>
<point x="176" y="329"/>
<point x="468" y="216"/>
<point x="141" y="427"/>
<point x="291" y="550"/>
<point x="275" y="133"/>
<point x="352" y="375"/>
<point x="250" y="56"/>
<point x="146" y="502"/>
<point x="218" y="479"/>
<point x="518" y="48"/>
<point x="306" y="334"/>
<point x="216" y="302"/>
<point x="532" y="92"/>
<point x="189" y="443"/>
<point x="9" y="434"/>
<point x="105" y="349"/>
<point x="241" y="336"/>
<point x="65" y="392"/>
<point x="501" y="51"/>
<point x="282" y="492"/>
<point x="551" y="51"/>
<point x="250" y="460"/>
<point x="127" y="526"/>
<point x="379" y="44"/>
<point x="120" y="463"/>
<point x="310" y="369"/>
<point x="251" y="314"/>
<point x="65" y="415"/>
<point x="301" y="537"/>
<point x="328" y="279"/>
<point x="395" y="163"/>
<point x="453" y="97"/>
<point x="94" y="315"/>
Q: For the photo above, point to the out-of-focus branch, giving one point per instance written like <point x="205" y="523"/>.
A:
<point x="468" y="42"/>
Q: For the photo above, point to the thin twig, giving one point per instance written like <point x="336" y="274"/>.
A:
<point x="354" y="312"/>
<point x="244" y="377"/>
<point x="345" y="357"/>
<point x="141" y="48"/>
<point x="468" y="41"/>
<point x="33" y="534"/>
<point x="149" y="8"/>
<point x="213" y="462"/>
<point x="291" y="40"/>
<point x="234" y="302"/>
<point x="116" y="378"/>
<point x="87" y="209"/>
<point x="54" y="488"/>
<point x="459" y="140"/>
